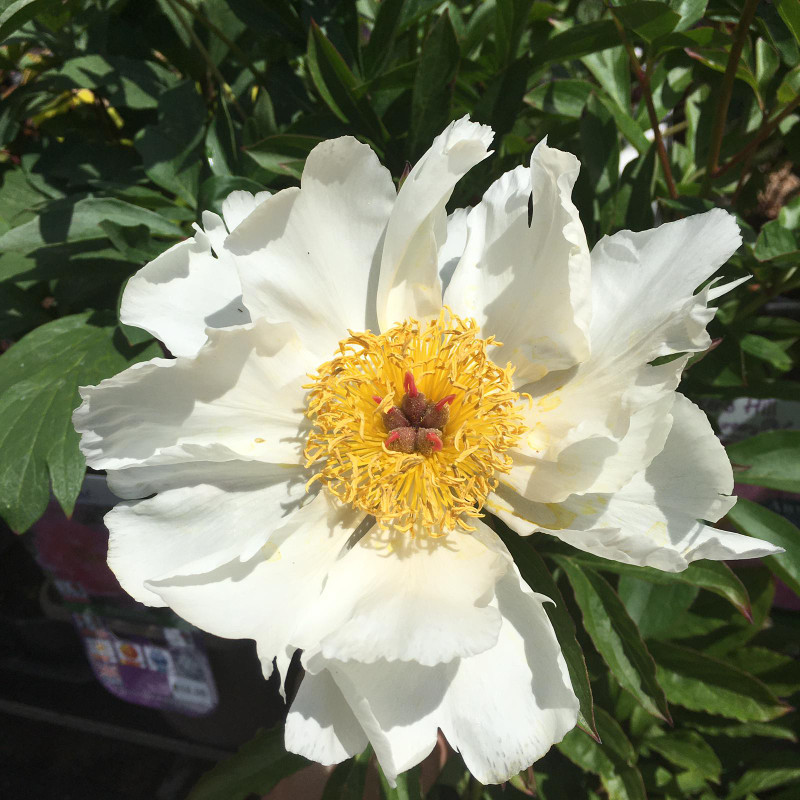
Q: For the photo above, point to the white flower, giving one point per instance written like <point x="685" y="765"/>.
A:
<point x="307" y="327"/>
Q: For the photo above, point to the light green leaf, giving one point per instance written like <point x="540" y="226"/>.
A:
<point x="616" y="637"/>
<point x="259" y="765"/>
<point x="699" y="683"/>
<point x="566" y="98"/>
<point x="766" y="350"/>
<point x="655" y="609"/>
<point x="755" y="520"/>
<point x="769" y="459"/>
<point x="408" y="786"/>
<point x="649" y="19"/>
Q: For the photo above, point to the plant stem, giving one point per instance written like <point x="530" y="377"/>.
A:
<point x="643" y="76"/>
<point x="721" y="112"/>
<point x="207" y="58"/>
<point x="261" y="79"/>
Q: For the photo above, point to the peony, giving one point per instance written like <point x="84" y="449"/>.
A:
<point x="357" y="377"/>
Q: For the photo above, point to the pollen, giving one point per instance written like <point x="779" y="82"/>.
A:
<point x="413" y="425"/>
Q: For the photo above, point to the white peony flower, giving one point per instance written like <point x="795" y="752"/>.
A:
<point x="333" y="423"/>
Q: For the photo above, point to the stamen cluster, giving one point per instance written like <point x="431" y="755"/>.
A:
<point x="415" y="464"/>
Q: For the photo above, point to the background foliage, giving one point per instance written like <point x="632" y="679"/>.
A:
<point x="121" y="121"/>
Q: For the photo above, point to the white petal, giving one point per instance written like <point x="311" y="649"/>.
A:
<point x="310" y="257"/>
<point x="238" y="205"/>
<point x="420" y="599"/>
<point x="529" y="286"/>
<point x="409" y="283"/>
<point x="452" y="249"/>
<point x="320" y="724"/>
<point x="503" y="708"/>
<point x="506" y="707"/>
<point x="644" y="283"/>
<point x="652" y="520"/>
<point x="241" y="397"/>
<point x="182" y="292"/>
<point x="226" y="514"/>
<point x="266" y="597"/>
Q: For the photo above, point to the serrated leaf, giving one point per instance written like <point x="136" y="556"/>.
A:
<point x="258" y="766"/>
<point x="535" y="573"/>
<point x="616" y="637"/>
<point x="695" y="681"/>
<point x="39" y="379"/>
<point x="768" y="459"/>
<point x="755" y="520"/>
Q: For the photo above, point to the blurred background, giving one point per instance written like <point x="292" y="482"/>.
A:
<point x="121" y="121"/>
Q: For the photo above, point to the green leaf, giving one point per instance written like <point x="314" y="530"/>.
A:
<point x="39" y="379"/>
<point x="172" y="151"/>
<point x="688" y="750"/>
<point x="699" y="683"/>
<point x="18" y="14"/>
<point x="284" y="154"/>
<point x="20" y="310"/>
<point x="71" y="221"/>
<point x="755" y="520"/>
<point x="535" y="573"/>
<point x="576" y="42"/>
<point x="714" y="576"/>
<point x="566" y="98"/>
<point x="337" y="85"/>
<point x="766" y="350"/>
<point x="511" y="18"/>
<point x="650" y="20"/>
<point x="770" y="459"/>
<point x="616" y="637"/>
<point x="432" y="92"/>
<point x="790" y="14"/>
<point x="655" y="609"/>
<point x="408" y="786"/>
<point x="259" y="765"/>
<point x="774" y="769"/>
<point x="378" y="51"/>
<point x="613" y="760"/>
<point x="347" y="781"/>
<point x="690" y="11"/>
<point x="780" y="237"/>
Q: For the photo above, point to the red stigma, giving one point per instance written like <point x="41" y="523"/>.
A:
<point x="377" y="398"/>
<point x="435" y="441"/>
<point x="409" y="385"/>
<point x="444" y="401"/>
<point x="392" y="437"/>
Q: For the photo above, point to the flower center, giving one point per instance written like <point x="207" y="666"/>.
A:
<point x="411" y="425"/>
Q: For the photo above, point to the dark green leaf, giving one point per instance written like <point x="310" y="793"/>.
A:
<point x="616" y="637"/>
<point x="258" y="766"/>
<point x="68" y="221"/>
<point x="39" y="379"/>
<point x="567" y="98"/>
<point x="378" y="50"/>
<point x="755" y="520"/>
<point x="649" y="19"/>
<point x="511" y="17"/>
<point x="408" y="786"/>
<point x="790" y="14"/>
<point x="774" y="769"/>
<point x="284" y="154"/>
<point x="688" y="750"/>
<point x="576" y="42"/>
<point x="17" y="14"/>
<point x="655" y="609"/>
<point x="766" y="350"/>
<point x="433" y="86"/>
<point x="699" y="683"/>
<point x="348" y="779"/>
<point x="613" y="760"/>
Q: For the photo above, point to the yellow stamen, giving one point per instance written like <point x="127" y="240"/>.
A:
<point x="440" y="490"/>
